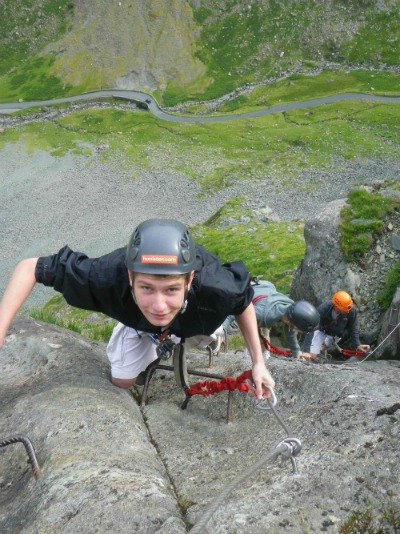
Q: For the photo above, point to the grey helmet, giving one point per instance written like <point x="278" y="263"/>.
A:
<point x="304" y="316"/>
<point x="161" y="246"/>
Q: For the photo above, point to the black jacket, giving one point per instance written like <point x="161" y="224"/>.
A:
<point x="102" y="284"/>
<point x="335" y="326"/>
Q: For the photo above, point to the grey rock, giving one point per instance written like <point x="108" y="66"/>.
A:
<point x="395" y="241"/>
<point x="390" y="332"/>
<point x="110" y="466"/>
<point x="324" y="269"/>
<point x="100" y="471"/>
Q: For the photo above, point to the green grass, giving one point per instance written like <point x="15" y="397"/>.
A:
<point x="90" y="324"/>
<point x="270" y="250"/>
<point x="301" y="87"/>
<point x="244" y="43"/>
<point x="392" y="282"/>
<point x="279" y="146"/>
<point x="28" y="26"/>
<point x="46" y="136"/>
<point x="369" y="522"/>
<point x="362" y="220"/>
<point x="31" y="82"/>
<point x="238" y="43"/>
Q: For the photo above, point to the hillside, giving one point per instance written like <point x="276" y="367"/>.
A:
<point x="86" y="174"/>
<point x="284" y="167"/>
<point x="185" y="50"/>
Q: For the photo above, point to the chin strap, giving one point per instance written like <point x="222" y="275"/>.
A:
<point x="184" y="306"/>
<point x="185" y="302"/>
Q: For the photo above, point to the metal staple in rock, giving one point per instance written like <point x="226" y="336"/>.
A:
<point x="29" y="449"/>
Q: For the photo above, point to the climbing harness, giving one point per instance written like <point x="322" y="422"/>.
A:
<point x="164" y="344"/>
<point x="29" y="449"/>
<point x="258" y="297"/>
<point x="290" y="447"/>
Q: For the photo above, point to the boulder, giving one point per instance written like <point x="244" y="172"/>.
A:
<point x="324" y="269"/>
<point x="100" y="470"/>
<point x="390" y="334"/>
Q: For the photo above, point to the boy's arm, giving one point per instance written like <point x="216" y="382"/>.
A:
<point x="17" y="291"/>
<point x="247" y="323"/>
<point x="293" y="342"/>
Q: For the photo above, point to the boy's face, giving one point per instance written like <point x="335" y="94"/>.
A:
<point x="160" y="298"/>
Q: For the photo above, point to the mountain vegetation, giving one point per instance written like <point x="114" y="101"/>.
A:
<point x="200" y="57"/>
<point x="187" y="50"/>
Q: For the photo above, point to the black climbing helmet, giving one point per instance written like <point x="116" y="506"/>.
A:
<point x="304" y="316"/>
<point x="161" y="246"/>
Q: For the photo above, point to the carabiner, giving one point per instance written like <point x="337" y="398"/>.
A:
<point x="270" y="404"/>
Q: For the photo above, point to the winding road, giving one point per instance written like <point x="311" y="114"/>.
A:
<point x="148" y="102"/>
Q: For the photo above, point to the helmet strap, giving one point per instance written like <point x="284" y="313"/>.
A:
<point x="133" y="296"/>
<point x="185" y="301"/>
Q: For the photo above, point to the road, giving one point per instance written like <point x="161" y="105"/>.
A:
<point x="149" y="102"/>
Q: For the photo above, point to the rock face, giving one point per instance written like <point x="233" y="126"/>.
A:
<point x="390" y="333"/>
<point x="324" y="270"/>
<point x="100" y="472"/>
<point x="108" y="465"/>
<point x="129" y="45"/>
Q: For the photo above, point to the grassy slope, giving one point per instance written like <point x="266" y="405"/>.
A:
<point x="238" y="45"/>
<point x="183" y="52"/>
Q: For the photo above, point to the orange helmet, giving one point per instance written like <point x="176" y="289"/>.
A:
<point x="342" y="301"/>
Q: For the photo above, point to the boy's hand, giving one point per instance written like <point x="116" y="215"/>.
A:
<point x="262" y="379"/>
<point x="306" y="356"/>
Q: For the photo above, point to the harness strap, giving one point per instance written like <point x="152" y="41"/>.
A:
<point x="259" y="297"/>
<point x="275" y="350"/>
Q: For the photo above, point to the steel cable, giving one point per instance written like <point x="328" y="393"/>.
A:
<point x="200" y="525"/>
<point x="288" y="447"/>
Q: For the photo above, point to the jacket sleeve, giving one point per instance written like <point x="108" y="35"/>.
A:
<point x="293" y="343"/>
<point x="224" y="288"/>
<point x="324" y="310"/>
<point x="68" y="273"/>
<point x="354" y="328"/>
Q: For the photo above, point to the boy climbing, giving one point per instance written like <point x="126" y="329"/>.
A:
<point x="162" y="283"/>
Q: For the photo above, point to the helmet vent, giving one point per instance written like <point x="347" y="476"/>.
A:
<point x="185" y="240"/>
<point x="136" y="239"/>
